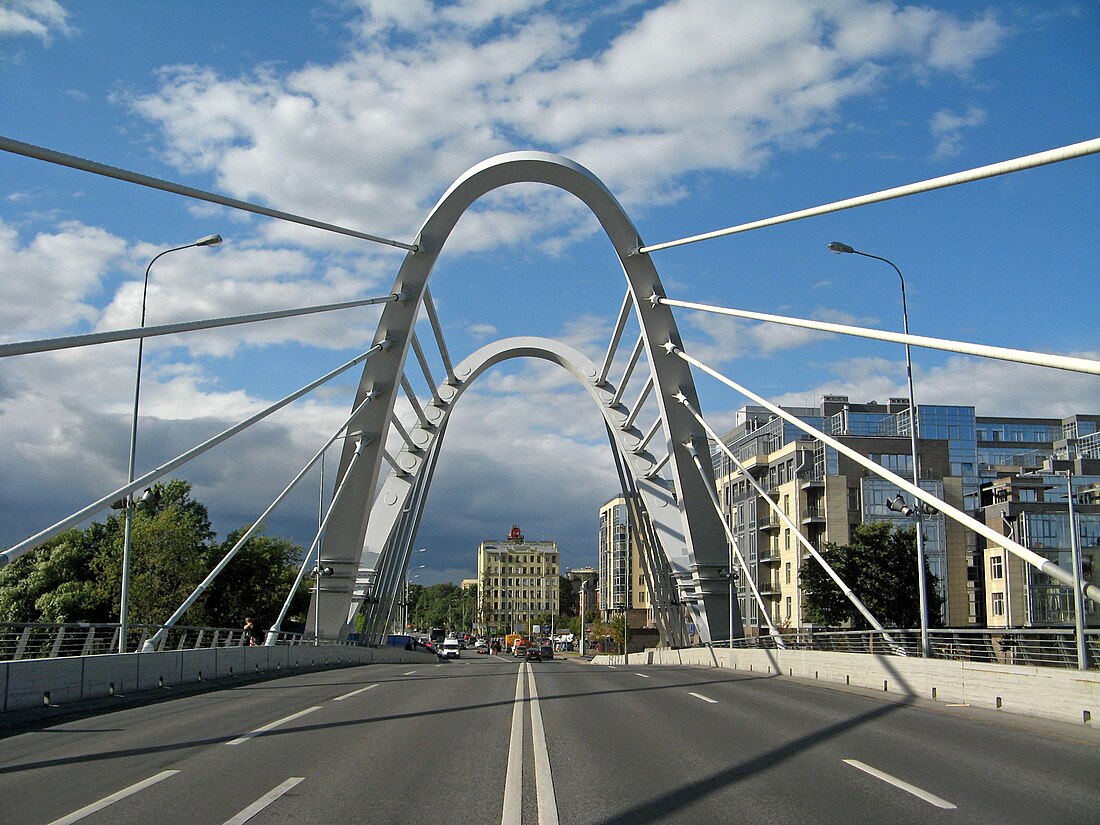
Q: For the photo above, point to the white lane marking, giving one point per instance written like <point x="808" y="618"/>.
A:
<point x="88" y="810"/>
<point x="704" y="698"/>
<point x="353" y="693"/>
<point x="264" y="801"/>
<point x="411" y="672"/>
<point x="644" y="676"/>
<point x="544" y="780"/>
<point x="898" y="783"/>
<point x="272" y="725"/>
<point x="512" y="813"/>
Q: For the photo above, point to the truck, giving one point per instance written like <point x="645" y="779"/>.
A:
<point x="512" y="639"/>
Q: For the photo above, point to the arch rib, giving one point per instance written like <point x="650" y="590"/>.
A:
<point x="697" y="567"/>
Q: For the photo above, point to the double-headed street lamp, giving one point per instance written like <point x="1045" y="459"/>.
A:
<point x="127" y="539"/>
<point x="914" y="434"/>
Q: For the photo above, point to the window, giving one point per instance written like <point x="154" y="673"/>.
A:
<point x="788" y="604"/>
<point x="996" y="567"/>
<point x="998" y="604"/>
<point x="788" y="575"/>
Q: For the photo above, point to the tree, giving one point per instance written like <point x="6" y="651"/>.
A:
<point x="255" y="583"/>
<point x="77" y="576"/>
<point x="880" y="566"/>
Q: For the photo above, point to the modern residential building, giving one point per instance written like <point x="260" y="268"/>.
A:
<point x="622" y="578"/>
<point x="517" y="583"/>
<point x="827" y="494"/>
<point x="1030" y="505"/>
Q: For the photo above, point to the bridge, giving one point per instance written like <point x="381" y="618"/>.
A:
<point x="622" y="740"/>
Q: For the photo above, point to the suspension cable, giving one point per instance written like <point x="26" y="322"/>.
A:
<point x="90" y="339"/>
<point x="1038" y="359"/>
<point x="1075" y="150"/>
<point x="72" y="161"/>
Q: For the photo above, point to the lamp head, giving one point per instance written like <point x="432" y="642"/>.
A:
<point x="209" y="240"/>
<point x="840" y="248"/>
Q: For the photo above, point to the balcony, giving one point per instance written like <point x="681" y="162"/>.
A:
<point x="768" y="521"/>
<point x="816" y="483"/>
<point x="813" y="515"/>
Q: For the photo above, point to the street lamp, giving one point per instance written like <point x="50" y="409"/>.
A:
<point x="127" y="538"/>
<point x="914" y="434"/>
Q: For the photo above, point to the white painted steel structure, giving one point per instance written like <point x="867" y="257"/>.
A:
<point x="670" y="489"/>
<point x="693" y="542"/>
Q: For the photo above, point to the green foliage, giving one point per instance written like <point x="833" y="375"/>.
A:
<point x="77" y="576"/>
<point x="880" y="566"/>
<point x="254" y="583"/>
<point x="439" y="605"/>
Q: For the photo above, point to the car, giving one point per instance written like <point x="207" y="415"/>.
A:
<point x="450" y="649"/>
<point x="481" y="646"/>
<point x="533" y="654"/>
<point x="546" y="651"/>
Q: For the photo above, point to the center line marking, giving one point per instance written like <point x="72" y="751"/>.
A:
<point x="920" y="793"/>
<point x="409" y="673"/>
<point x="271" y="725"/>
<point x="704" y="698"/>
<point x="353" y="693"/>
<point x="644" y="676"/>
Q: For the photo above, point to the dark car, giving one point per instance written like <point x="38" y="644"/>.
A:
<point x="546" y="652"/>
<point x="533" y="654"/>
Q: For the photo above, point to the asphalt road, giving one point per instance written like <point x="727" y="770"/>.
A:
<point x="449" y="742"/>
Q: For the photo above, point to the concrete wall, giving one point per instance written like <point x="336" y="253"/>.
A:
<point x="33" y="683"/>
<point x="1052" y="693"/>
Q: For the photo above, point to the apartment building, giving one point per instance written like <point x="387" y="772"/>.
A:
<point x="517" y="583"/>
<point x="827" y="495"/>
<point x="622" y="577"/>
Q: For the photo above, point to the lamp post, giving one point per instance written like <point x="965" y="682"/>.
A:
<point x="318" y="573"/>
<point x="127" y="537"/>
<point x="914" y="434"/>
<point x="408" y="590"/>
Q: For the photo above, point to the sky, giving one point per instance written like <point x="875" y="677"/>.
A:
<point x="696" y="114"/>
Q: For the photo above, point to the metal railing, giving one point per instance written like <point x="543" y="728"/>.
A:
<point x="1045" y="647"/>
<point x="44" y="641"/>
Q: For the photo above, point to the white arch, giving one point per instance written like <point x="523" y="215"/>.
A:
<point x="402" y="495"/>
<point x="697" y="567"/>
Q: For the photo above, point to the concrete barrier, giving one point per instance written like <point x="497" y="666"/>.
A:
<point x="1051" y="693"/>
<point x="32" y="683"/>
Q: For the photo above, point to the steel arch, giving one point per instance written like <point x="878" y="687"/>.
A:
<point x="698" y="568"/>
<point x="406" y="494"/>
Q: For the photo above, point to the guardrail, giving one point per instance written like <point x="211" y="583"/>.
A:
<point x="46" y="641"/>
<point x="1016" y="646"/>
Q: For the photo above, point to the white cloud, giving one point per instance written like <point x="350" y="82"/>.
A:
<point x="947" y="128"/>
<point x="736" y="83"/>
<point x="49" y="282"/>
<point x="991" y="387"/>
<point x="38" y="18"/>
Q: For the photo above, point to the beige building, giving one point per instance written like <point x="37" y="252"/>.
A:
<point x="517" y="583"/>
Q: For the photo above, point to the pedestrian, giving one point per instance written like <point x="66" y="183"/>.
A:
<point x="251" y="633"/>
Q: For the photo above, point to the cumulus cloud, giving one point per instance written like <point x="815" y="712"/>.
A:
<point x="736" y="82"/>
<point x="37" y="18"/>
<point x="947" y="128"/>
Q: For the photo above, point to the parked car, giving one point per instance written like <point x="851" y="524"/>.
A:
<point x="533" y="654"/>
<point x="547" y="652"/>
<point x="450" y="649"/>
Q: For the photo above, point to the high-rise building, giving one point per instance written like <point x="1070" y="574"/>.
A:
<point x="622" y="579"/>
<point x="517" y="583"/>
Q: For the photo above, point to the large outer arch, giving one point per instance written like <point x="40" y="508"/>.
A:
<point x="698" y="570"/>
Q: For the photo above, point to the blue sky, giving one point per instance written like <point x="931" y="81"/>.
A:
<point x="697" y="114"/>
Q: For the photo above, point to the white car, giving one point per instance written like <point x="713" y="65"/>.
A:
<point x="450" y="649"/>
